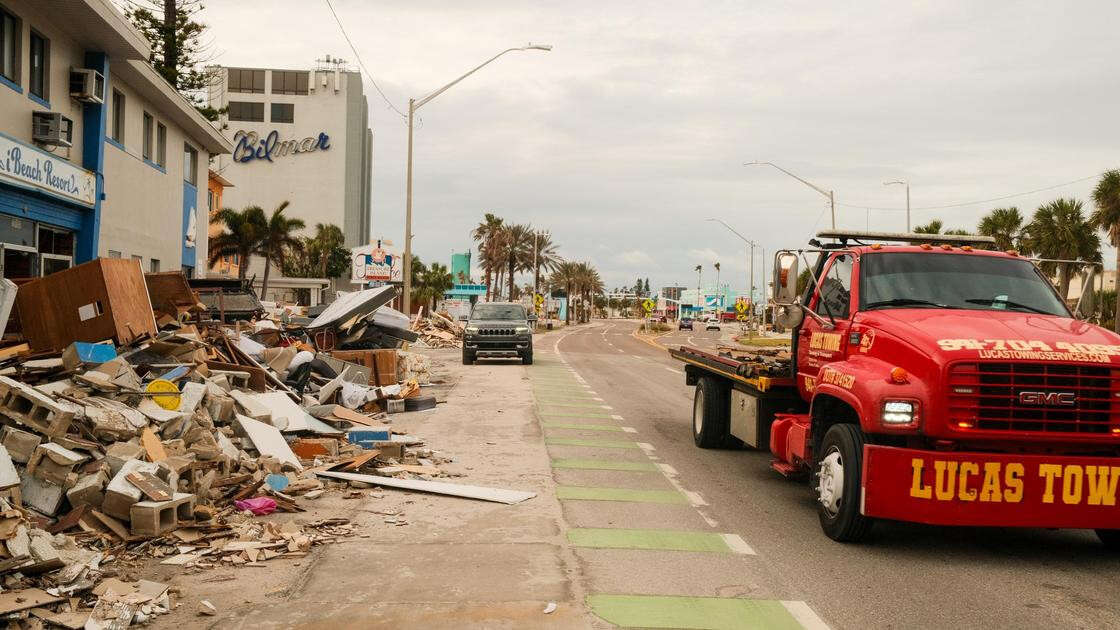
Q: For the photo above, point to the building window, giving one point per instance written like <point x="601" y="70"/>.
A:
<point x="114" y="253"/>
<point x="154" y="265"/>
<point x="283" y="112"/>
<point x="118" y="118"/>
<point x="190" y="165"/>
<point x="247" y="112"/>
<point x="9" y="46"/>
<point x="161" y="144"/>
<point x="139" y="259"/>
<point x="245" y="81"/>
<point x="38" y="85"/>
<point x="289" y="82"/>
<point x="148" y="122"/>
<point x="210" y="203"/>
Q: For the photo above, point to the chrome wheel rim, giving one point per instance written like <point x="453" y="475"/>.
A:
<point x="830" y="482"/>
<point x="698" y="412"/>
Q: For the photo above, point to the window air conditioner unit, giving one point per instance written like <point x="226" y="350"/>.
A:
<point x="87" y="85"/>
<point x="52" y="129"/>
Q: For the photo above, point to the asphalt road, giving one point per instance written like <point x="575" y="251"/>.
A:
<point x="905" y="576"/>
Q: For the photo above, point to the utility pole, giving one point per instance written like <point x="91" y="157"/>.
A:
<point x="907" y="184"/>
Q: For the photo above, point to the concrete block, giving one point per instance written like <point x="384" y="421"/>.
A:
<point x="252" y="407"/>
<point x="190" y="397"/>
<point x="120" y="452"/>
<point x="221" y="408"/>
<point x="29" y="407"/>
<point x="19" y="443"/>
<point x="90" y="490"/>
<point x="154" y="518"/>
<point x="51" y="462"/>
<point x="9" y="478"/>
<point x="42" y="496"/>
<point x="120" y="494"/>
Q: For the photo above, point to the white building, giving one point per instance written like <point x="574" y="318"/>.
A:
<point x="99" y="155"/>
<point x="300" y="136"/>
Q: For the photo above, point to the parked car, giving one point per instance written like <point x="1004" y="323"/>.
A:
<point x="685" y="324"/>
<point x="712" y="323"/>
<point x="499" y="329"/>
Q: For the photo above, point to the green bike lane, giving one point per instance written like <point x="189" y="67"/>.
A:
<point x="651" y="556"/>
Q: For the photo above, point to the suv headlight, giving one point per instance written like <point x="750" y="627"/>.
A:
<point x="472" y="330"/>
<point x="899" y="412"/>
<point x="521" y="330"/>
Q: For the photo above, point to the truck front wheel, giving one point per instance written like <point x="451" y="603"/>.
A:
<point x="837" y="477"/>
<point x="1110" y="538"/>
<point x="711" y="407"/>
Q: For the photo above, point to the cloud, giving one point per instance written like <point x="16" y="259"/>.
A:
<point x="635" y="258"/>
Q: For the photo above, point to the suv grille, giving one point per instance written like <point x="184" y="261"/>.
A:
<point x="506" y="332"/>
<point x="1024" y="397"/>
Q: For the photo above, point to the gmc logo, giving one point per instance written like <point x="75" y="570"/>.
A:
<point x="1048" y="399"/>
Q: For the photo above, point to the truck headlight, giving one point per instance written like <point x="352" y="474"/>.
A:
<point x="899" y="412"/>
<point x="472" y="330"/>
<point x="521" y="330"/>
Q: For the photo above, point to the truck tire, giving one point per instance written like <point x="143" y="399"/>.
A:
<point x="711" y="409"/>
<point x="1110" y="538"/>
<point x="468" y="357"/>
<point x="838" y="486"/>
<point x="527" y="357"/>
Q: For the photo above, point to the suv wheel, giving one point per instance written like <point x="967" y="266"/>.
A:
<point x="527" y="357"/>
<point x="468" y="357"/>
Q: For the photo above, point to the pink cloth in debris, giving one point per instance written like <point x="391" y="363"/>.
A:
<point x="259" y="506"/>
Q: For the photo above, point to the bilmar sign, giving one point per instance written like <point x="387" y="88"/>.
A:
<point x="30" y="167"/>
<point x="250" y="146"/>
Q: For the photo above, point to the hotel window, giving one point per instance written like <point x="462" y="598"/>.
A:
<point x="283" y="112"/>
<point x="148" y="122"/>
<point x="246" y="112"/>
<point x="38" y="84"/>
<point x="154" y="265"/>
<point x="161" y="144"/>
<point x="289" y="82"/>
<point x="9" y="46"/>
<point x="118" y="117"/>
<point x="190" y="165"/>
<point x="246" y="81"/>
<point x="114" y="253"/>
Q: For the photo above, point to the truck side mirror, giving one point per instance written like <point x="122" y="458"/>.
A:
<point x="784" y="289"/>
<point x="788" y="315"/>
<point x="1087" y="303"/>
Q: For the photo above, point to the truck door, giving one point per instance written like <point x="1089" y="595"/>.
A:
<point x="820" y="344"/>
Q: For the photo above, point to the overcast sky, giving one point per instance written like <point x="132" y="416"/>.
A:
<point x="633" y="130"/>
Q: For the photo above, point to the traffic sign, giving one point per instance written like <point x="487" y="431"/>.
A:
<point x="538" y="299"/>
<point x="741" y="317"/>
<point x="648" y="305"/>
<point x="741" y="306"/>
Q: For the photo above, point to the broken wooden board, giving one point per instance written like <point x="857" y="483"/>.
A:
<point x="15" y="601"/>
<point x="152" y="486"/>
<point x="497" y="495"/>
<point x="153" y="447"/>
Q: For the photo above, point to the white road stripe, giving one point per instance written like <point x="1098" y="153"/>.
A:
<point x="616" y="417"/>
<point x="805" y="615"/>
<point x="629" y="429"/>
<point x="667" y="469"/>
<point x="737" y="544"/>
<point x="646" y="446"/>
<point x="672" y="370"/>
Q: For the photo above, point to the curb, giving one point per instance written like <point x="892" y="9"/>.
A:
<point x="651" y="340"/>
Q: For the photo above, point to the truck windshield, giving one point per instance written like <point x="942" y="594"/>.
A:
<point x="498" y="311"/>
<point x="988" y="283"/>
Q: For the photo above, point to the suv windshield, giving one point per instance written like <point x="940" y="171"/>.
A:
<point x="986" y="283"/>
<point x="498" y="311"/>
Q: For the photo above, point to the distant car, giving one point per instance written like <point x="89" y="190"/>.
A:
<point x="499" y="329"/>
<point x="685" y="324"/>
<point x="712" y="323"/>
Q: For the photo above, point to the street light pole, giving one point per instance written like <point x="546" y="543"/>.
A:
<point x="907" y="184"/>
<point x="750" y="257"/>
<point x="413" y="105"/>
<point x="827" y="193"/>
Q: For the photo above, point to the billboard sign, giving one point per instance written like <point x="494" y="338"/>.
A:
<point x="374" y="263"/>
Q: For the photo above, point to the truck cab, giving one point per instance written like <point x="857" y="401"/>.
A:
<point x="933" y="381"/>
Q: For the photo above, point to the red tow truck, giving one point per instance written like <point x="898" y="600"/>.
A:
<point x="931" y="381"/>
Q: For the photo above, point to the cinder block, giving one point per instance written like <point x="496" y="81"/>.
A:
<point x="31" y="408"/>
<point x="51" y="462"/>
<point x="19" y="443"/>
<point x="120" y="452"/>
<point x="154" y="518"/>
<point x="42" y="496"/>
<point x="90" y="490"/>
<point x="120" y="494"/>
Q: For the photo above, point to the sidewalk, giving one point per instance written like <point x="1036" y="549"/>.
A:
<point x="452" y="563"/>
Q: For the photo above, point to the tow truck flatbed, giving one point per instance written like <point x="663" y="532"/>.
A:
<point x="733" y="369"/>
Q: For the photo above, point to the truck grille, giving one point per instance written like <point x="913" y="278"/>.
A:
<point x="990" y="396"/>
<point x="506" y="332"/>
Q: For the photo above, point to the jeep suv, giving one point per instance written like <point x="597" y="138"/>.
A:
<point x="498" y="329"/>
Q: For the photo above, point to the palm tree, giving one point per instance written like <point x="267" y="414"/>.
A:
<point x="1060" y="231"/>
<point x="485" y="233"/>
<point x="564" y="277"/>
<point x="517" y="251"/>
<point x="417" y="295"/>
<point x="716" y="265"/>
<point x="1005" y="225"/>
<point x="435" y="281"/>
<point x="933" y="227"/>
<point x="589" y="283"/>
<point x="546" y="257"/>
<point x="241" y="236"/>
<point x="278" y="235"/>
<point x="328" y="237"/>
<point x="1106" y="216"/>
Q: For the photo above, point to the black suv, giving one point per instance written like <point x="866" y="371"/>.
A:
<point x="498" y="329"/>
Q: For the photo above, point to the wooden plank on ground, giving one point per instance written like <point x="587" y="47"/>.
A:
<point x="153" y="446"/>
<point x="152" y="486"/>
<point x="22" y="599"/>
<point x="497" y="495"/>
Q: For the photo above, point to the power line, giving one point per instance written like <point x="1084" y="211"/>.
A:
<point x="363" y="65"/>
<point x="979" y="201"/>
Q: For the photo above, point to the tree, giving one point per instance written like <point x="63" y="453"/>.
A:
<point x="647" y="287"/>
<point x="546" y="257"/>
<point x="175" y="36"/>
<point x="562" y="278"/>
<point x="417" y="295"/>
<point x="488" y="235"/>
<point x="803" y="280"/>
<point x="278" y="237"/>
<point x="434" y="282"/>
<point x="1060" y="231"/>
<point x="324" y="246"/>
<point x="517" y="251"/>
<point x="933" y="227"/>
<point x="1005" y="225"/>
<point x="1106" y="217"/>
<point x="242" y="233"/>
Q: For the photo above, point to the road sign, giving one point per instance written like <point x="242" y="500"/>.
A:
<point x="741" y="317"/>
<point x="741" y="306"/>
<point x="648" y="305"/>
<point x="538" y="299"/>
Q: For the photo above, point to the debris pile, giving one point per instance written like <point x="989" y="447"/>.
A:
<point x="761" y="362"/>
<point x="438" y="330"/>
<point x="134" y="426"/>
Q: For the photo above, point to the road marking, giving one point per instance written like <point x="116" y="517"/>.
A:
<point x="646" y="446"/>
<point x="591" y="443"/>
<point x="583" y="427"/>
<point x="604" y="464"/>
<point x="672" y="370"/>
<point x="629" y="429"/>
<point x="657" y="539"/>
<point x="578" y="414"/>
<point x="659" y="611"/>
<point x="616" y="417"/>
<point x="629" y="495"/>
<point x="541" y="403"/>
<point x="667" y="469"/>
<point x="805" y="615"/>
